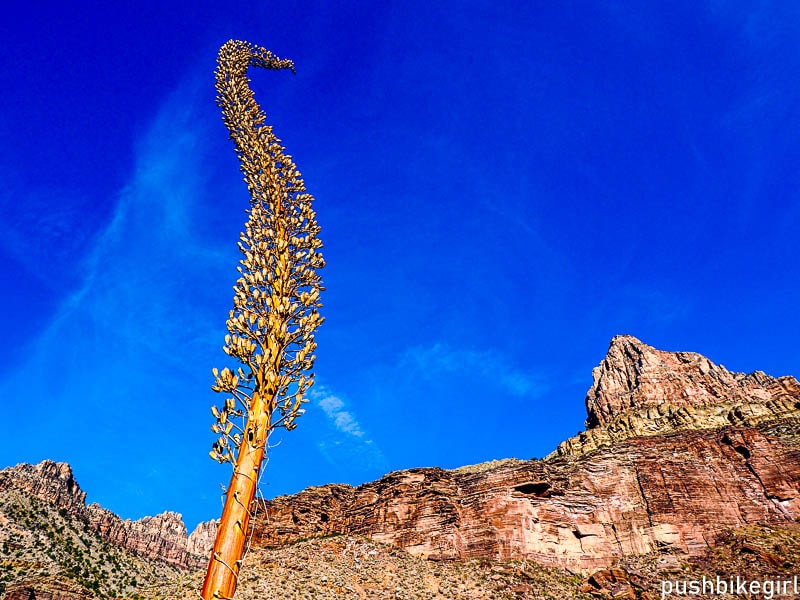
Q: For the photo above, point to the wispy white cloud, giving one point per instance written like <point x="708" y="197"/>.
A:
<point x="491" y="366"/>
<point x="146" y="279"/>
<point x="43" y="235"/>
<point x="350" y="446"/>
<point x="334" y="408"/>
<point x="132" y="346"/>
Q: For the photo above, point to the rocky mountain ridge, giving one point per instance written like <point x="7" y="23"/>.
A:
<point x="163" y="537"/>
<point x="680" y="456"/>
<point x="678" y="452"/>
<point x="634" y="376"/>
<point x="50" y="552"/>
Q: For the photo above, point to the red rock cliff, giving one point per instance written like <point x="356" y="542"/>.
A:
<point x="677" y="484"/>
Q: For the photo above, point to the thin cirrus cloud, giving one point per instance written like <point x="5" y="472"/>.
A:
<point x="148" y="270"/>
<point x="333" y="407"/>
<point x="490" y="366"/>
<point x="350" y="444"/>
<point x="145" y="264"/>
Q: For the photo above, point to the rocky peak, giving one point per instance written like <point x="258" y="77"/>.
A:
<point x="170" y="523"/>
<point x="634" y="377"/>
<point x="201" y="540"/>
<point x="162" y="537"/>
<point x="49" y="481"/>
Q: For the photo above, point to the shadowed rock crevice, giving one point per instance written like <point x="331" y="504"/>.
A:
<point x="538" y="489"/>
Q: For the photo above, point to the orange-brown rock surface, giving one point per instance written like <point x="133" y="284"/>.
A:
<point x="669" y="488"/>
<point x="640" y="391"/>
<point x="162" y="537"/>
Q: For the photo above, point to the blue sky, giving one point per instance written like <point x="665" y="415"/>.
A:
<point x="503" y="187"/>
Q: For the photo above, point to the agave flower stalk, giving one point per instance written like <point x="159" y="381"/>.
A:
<point x="275" y="307"/>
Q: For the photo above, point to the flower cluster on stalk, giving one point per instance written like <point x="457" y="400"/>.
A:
<point x="277" y="294"/>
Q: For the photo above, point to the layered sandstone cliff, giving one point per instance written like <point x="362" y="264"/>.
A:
<point x="163" y="537"/>
<point x="679" y="451"/>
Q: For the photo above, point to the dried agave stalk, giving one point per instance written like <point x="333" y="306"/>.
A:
<point x="275" y="307"/>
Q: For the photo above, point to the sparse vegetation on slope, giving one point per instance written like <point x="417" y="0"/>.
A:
<point x="347" y="567"/>
<point x="39" y="541"/>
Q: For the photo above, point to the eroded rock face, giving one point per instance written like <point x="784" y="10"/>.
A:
<point x="163" y="537"/>
<point x="201" y="540"/>
<point x="636" y="497"/>
<point x="640" y="391"/>
<point x="634" y="376"/>
<point x="49" y="481"/>
<point x="645" y="482"/>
